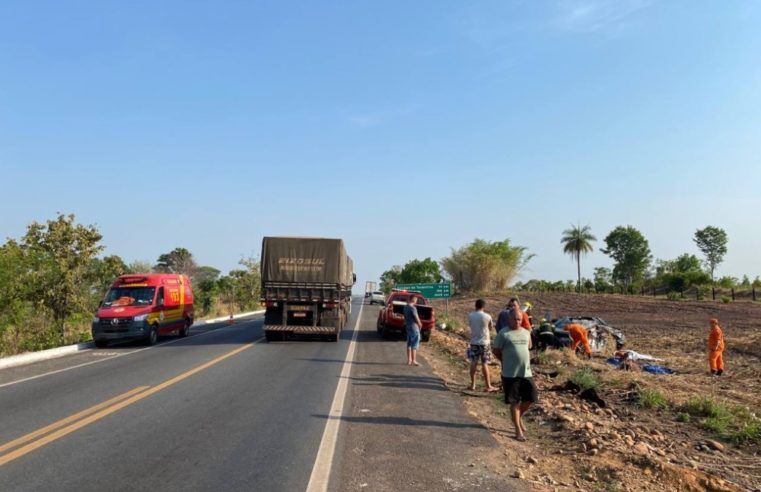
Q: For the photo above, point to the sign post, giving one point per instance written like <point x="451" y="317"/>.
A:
<point x="430" y="291"/>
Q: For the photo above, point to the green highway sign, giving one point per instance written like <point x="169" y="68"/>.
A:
<point x="430" y="291"/>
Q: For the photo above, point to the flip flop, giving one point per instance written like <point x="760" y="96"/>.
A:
<point x="520" y="438"/>
<point x="492" y="390"/>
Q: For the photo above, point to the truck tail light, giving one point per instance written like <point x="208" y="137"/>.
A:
<point x="271" y="303"/>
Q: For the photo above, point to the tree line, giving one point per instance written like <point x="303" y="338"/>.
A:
<point x="493" y="265"/>
<point x="53" y="278"/>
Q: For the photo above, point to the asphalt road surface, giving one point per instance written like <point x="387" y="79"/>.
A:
<point x="224" y="410"/>
<point x="242" y="422"/>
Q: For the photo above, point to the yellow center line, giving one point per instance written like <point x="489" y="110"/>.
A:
<point x="101" y="410"/>
<point x="55" y="425"/>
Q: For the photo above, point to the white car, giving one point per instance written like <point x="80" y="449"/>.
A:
<point x="377" y="296"/>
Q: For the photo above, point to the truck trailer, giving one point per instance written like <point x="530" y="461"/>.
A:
<point x="306" y="286"/>
<point x="370" y="287"/>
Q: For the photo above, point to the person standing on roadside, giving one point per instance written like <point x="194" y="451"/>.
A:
<point x="413" y="324"/>
<point x="480" y="345"/>
<point x="716" y="348"/>
<point x="512" y="347"/>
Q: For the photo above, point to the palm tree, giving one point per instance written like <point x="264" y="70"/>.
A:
<point x="577" y="241"/>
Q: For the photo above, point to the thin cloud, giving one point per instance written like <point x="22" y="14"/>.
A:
<point x="589" y="16"/>
<point x="375" y="118"/>
<point x="363" y="120"/>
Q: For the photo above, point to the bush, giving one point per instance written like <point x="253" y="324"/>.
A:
<point x="737" y="424"/>
<point x="726" y="299"/>
<point x="653" y="399"/>
<point x="451" y="323"/>
<point x="683" y="417"/>
<point x="750" y="432"/>
<point x="586" y="379"/>
<point x="673" y="296"/>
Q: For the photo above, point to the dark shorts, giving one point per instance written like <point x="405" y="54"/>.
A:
<point x="518" y="390"/>
<point x="479" y="353"/>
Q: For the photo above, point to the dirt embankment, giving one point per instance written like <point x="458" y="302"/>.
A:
<point x="647" y="433"/>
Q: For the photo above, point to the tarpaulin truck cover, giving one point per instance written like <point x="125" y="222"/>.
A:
<point x="305" y="260"/>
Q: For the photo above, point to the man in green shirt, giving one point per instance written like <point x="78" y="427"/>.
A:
<point x="512" y="347"/>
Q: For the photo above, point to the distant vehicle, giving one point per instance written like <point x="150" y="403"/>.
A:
<point x="391" y="318"/>
<point x="144" y="306"/>
<point x="306" y="286"/>
<point x="377" y="297"/>
<point x="370" y="287"/>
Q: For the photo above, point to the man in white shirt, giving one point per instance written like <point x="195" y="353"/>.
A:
<point x="480" y="344"/>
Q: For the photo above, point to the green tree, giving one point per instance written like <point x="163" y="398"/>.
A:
<point x="420" y="271"/>
<point x="102" y="273"/>
<point x="631" y="252"/>
<point x="248" y="283"/>
<point x="712" y="242"/>
<point x="140" y="266"/>
<point x="205" y="288"/>
<point x="390" y="278"/>
<point x="485" y="265"/>
<point x="603" y="279"/>
<point x="577" y="242"/>
<point x="62" y="251"/>
<point x="179" y="260"/>
<point x="681" y="273"/>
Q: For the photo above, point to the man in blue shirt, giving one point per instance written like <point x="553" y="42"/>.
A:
<point x="413" y="324"/>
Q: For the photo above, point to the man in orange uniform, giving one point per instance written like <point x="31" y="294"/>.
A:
<point x="579" y="336"/>
<point x="716" y="349"/>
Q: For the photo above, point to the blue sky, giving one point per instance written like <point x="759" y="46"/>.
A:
<point x="406" y="128"/>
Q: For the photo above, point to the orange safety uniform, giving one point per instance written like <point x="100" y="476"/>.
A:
<point x="716" y="347"/>
<point x="525" y="321"/>
<point x="579" y="336"/>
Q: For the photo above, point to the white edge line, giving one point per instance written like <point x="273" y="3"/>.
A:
<point x="104" y="359"/>
<point x="54" y="353"/>
<point x="318" y="481"/>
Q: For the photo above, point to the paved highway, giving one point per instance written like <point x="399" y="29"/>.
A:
<point x="224" y="410"/>
<point x="220" y="409"/>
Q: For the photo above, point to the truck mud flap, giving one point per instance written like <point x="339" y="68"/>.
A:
<point x="301" y="329"/>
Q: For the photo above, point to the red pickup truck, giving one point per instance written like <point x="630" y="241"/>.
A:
<point x="391" y="317"/>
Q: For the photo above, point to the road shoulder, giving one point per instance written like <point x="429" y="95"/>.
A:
<point x="404" y="430"/>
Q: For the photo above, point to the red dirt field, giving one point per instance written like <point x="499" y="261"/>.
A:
<point x="577" y="446"/>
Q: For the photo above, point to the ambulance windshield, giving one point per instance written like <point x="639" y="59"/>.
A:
<point x="129" y="296"/>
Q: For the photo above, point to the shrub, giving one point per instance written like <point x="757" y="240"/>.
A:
<point x="750" y="432"/>
<point x="683" y="417"/>
<point x="737" y="424"/>
<point x="651" y="398"/>
<point x="585" y="378"/>
<point x="703" y="407"/>
<point x="673" y="296"/>
<point x="726" y="299"/>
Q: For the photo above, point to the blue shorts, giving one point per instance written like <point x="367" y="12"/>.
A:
<point x="413" y="337"/>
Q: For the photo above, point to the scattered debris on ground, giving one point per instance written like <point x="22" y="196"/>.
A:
<point x="600" y="428"/>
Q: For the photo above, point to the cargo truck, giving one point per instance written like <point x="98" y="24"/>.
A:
<point x="306" y="286"/>
<point x="370" y="287"/>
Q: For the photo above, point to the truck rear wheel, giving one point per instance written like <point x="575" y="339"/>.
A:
<point x="270" y="336"/>
<point x="101" y="343"/>
<point x="425" y="336"/>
